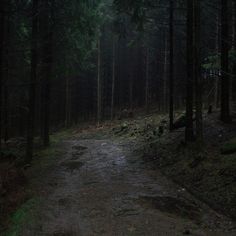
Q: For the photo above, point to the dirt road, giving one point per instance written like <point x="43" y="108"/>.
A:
<point x="101" y="187"/>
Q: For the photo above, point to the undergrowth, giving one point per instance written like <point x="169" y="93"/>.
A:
<point x="43" y="159"/>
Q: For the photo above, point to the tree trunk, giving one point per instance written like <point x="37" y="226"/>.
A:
<point x="47" y="69"/>
<point x="197" y="71"/>
<point x="165" y="76"/>
<point x="171" y="75"/>
<point x="33" y="80"/>
<point x="2" y="31"/>
<point x="147" y="82"/>
<point x="6" y="113"/>
<point x="6" y="105"/>
<point x="131" y="90"/>
<point x="113" y="77"/>
<point x="189" y="132"/>
<point x="216" y="95"/>
<point x="225" y="78"/>
<point x="234" y="48"/>
<point x="99" y="90"/>
<point x="67" y="104"/>
<point x="131" y="79"/>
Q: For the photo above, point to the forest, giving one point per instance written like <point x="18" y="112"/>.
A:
<point x="117" y="117"/>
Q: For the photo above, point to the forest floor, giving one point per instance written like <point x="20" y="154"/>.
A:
<point x="110" y="181"/>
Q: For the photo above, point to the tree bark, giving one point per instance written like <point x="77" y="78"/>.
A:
<point x="113" y="77"/>
<point x="234" y="48"/>
<point x="189" y="132"/>
<point x="99" y="90"/>
<point x="165" y="96"/>
<point x="171" y="75"/>
<point x="33" y="80"/>
<point x="5" y="90"/>
<point x="131" y="90"/>
<point x="47" y="69"/>
<point x="147" y="82"/>
<point x="225" y="78"/>
<point x="216" y="95"/>
<point x="68" y="103"/>
<point x="2" y="31"/>
<point x="197" y="71"/>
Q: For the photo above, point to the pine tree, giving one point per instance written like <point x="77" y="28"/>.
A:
<point x="33" y="80"/>
<point x="225" y="78"/>
<point x="189" y="132"/>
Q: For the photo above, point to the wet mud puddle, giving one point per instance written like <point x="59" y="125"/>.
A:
<point x="102" y="188"/>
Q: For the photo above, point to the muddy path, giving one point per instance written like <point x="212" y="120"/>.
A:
<point x="101" y="187"/>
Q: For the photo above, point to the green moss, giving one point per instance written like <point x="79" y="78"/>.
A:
<point x="21" y="215"/>
<point x="59" y="136"/>
<point x="45" y="157"/>
<point x="229" y="147"/>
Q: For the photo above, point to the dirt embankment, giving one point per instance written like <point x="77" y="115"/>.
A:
<point x="12" y="190"/>
<point x="209" y="173"/>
